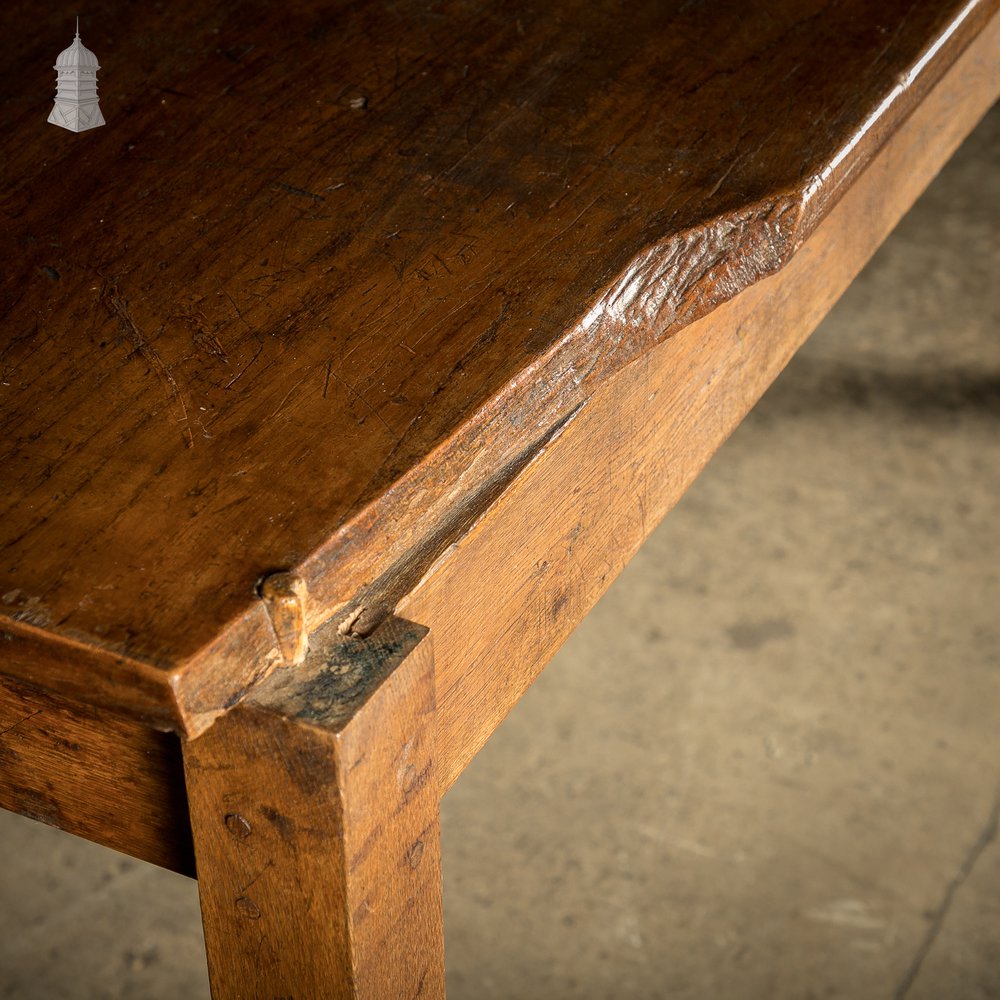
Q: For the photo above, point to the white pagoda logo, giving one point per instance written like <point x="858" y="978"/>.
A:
<point x="76" y="106"/>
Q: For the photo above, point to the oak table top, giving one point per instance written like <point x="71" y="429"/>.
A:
<point x="332" y="274"/>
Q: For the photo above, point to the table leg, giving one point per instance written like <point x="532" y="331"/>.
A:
<point x="315" y="811"/>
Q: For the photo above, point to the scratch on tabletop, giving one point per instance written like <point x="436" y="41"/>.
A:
<point x="288" y="396"/>
<point x="371" y="409"/>
<point x="30" y="715"/>
<point x="504" y="122"/>
<point x="236" y="309"/>
<point x="119" y="307"/>
<point x="299" y="191"/>
<point x="249" y="364"/>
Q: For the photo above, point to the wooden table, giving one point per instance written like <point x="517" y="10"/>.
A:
<point x="347" y="365"/>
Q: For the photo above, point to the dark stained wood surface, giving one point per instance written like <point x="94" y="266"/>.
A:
<point x="332" y="270"/>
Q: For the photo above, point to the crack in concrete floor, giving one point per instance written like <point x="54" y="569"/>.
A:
<point x="987" y="836"/>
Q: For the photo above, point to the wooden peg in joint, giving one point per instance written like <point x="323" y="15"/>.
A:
<point x="284" y="596"/>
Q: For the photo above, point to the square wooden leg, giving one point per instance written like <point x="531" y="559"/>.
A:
<point x="315" y="811"/>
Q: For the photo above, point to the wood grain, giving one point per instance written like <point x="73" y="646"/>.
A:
<point x="643" y="436"/>
<point x="331" y="267"/>
<point x="503" y="599"/>
<point x="316" y="824"/>
<point x="91" y="773"/>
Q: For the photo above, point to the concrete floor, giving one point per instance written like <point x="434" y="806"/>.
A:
<point x="768" y="764"/>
